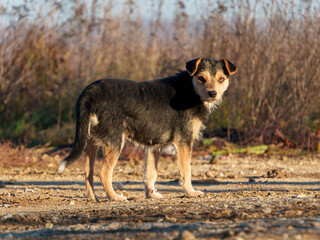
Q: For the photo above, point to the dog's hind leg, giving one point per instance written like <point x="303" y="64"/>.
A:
<point x="150" y="173"/>
<point x="91" y="152"/>
<point x="110" y="160"/>
<point x="184" y="161"/>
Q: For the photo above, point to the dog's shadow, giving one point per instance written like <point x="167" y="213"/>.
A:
<point x="173" y="186"/>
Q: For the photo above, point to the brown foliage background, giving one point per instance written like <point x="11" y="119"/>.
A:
<point x="49" y="52"/>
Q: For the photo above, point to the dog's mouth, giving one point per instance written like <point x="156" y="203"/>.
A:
<point x="210" y="99"/>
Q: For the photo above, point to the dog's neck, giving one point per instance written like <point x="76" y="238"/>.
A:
<point x="211" y="106"/>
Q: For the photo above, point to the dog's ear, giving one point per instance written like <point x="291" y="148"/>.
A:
<point x="192" y="66"/>
<point x="228" y="67"/>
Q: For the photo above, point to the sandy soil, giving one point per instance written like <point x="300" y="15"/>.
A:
<point x="246" y="197"/>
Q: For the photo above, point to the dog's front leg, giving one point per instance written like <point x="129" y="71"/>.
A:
<point x="184" y="161"/>
<point x="150" y="173"/>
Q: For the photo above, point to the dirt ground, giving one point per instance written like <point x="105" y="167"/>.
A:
<point x="246" y="197"/>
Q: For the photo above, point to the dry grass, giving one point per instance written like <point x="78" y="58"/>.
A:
<point x="47" y="59"/>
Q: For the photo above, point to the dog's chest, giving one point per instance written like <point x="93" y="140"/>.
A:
<point x="197" y="127"/>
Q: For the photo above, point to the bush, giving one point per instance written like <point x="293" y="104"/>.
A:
<point x="47" y="58"/>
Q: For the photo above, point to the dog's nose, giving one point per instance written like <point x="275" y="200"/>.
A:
<point x="212" y="94"/>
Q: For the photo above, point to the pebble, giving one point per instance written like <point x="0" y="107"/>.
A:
<point x="112" y="226"/>
<point x="252" y="180"/>
<point x="267" y="210"/>
<point x="49" y="225"/>
<point x="210" y="174"/>
<point x="118" y="186"/>
<point x="29" y="190"/>
<point x="55" y="219"/>
<point x="187" y="235"/>
<point x="244" y="225"/>
<point x="171" y="219"/>
<point x="301" y="196"/>
<point x="2" y="185"/>
<point x="6" y="216"/>
<point x="78" y="227"/>
<point x="21" y="214"/>
<point x="72" y="203"/>
<point x="316" y="224"/>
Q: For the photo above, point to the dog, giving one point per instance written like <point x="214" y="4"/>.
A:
<point x="153" y="114"/>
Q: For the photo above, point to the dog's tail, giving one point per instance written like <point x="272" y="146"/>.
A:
<point x="80" y="141"/>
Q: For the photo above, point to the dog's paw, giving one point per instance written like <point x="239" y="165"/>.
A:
<point x="195" y="193"/>
<point x="118" y="197"/>
<point x="94" y="200"/>
<point x="153" y="194"/>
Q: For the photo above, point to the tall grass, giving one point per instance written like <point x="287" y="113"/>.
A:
<point x="46" y="60"/>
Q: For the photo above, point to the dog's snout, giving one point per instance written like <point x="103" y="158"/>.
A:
<point x="212" y="94"/>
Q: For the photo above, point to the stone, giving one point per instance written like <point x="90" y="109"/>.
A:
<point x="49" y="225"/>
<point x="267" y="210"/>
<point x="252" y="180"/>
<point x="187" y="235"/>
<point x="6" y="216"/>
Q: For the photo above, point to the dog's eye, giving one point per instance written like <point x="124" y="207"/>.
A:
<point x="202" y="79"/>
<point x="221" y="80"/>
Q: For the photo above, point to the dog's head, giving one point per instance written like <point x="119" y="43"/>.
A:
<point x="210" y="77"/>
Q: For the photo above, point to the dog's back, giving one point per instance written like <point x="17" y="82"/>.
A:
<point x="150" y="113"/>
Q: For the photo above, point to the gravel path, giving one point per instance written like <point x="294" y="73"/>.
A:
<point x="246" y="197"/>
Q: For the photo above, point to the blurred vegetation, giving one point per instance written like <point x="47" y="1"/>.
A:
<point x="49" y="52"/>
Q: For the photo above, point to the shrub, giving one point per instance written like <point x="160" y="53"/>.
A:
<point x="47" y="59"/>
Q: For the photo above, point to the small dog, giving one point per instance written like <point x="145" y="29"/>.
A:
<point x="154" y="114"/>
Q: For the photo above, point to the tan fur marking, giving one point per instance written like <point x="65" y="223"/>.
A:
<point x="227" y="67"/>
<point x="211" y="84"/>
<point x="221" y="87"/>
<point x="91" y="151"/>
<point x="199" y="88"/>
<point x="184" y="159"/>
<point x="110" y="161"/>
<point x="206" y="75"/>
<point x="93" y="121"/>
<point x="150" y="173"/>
<point x="197" y="126"/>
<point x="196" y="68"/>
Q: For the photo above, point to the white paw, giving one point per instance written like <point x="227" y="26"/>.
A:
<point x="153" y="194"/>
<point x="118" y="197"/>
<point x="194" y="193"/>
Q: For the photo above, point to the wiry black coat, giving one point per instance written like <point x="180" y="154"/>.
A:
<point x="152" y="113"/>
